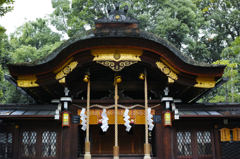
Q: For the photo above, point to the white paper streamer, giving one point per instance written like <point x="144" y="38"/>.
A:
<point x="150" y="120"/>
<point x="126" y="119"/>
<point x="83" y="119"/>
<point x="104" y="121"/>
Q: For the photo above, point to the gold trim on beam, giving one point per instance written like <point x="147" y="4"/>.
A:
<point x="63" y="80"/>
<point x="27" y="81"/>
<point x="166" y="70"/>
<point x="65" y="71"/>
<point x="203" y="82"/>
<point x="116" y="58"/>
<point x="170" y="80"/>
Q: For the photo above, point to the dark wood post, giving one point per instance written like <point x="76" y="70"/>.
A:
<point x="159" y="137"/>
<point x="16" y="138"/>
<point x="66" y="142"/>
<point x="168" y="142"/>
<point x="74" y="136"/>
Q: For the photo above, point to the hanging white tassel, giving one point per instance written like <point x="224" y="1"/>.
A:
<point x="104" y="121"/>
<point x="150" y="120"/>
<point x="83" y="118"/>
<point x="126" y="119"/>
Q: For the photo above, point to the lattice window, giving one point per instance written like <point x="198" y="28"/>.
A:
<point x="230" y="150"/>
<point x="29" y="139"/>
<point x="184" y="143"/>
<point x="5" y="145"/>
<point x="49" y="147"/>
<point x="204" y="143"/>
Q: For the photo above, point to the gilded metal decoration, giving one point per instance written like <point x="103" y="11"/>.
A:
<point x="115" y="58"/>
<point x="65" y="71"/>
<point x="27" y="81"/>
<point x="166" y="70"/>
<point x="63" y="80"/>
<point x="170" y="80"/>
<point x="205" y="83"/>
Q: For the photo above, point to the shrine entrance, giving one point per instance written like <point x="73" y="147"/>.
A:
<point x="129" y="142"/>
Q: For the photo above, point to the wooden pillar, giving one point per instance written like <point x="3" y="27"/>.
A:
<point x="159" y="137"/>
<point x="116" y="147"/>
<point x="66" y="142"/>
<point x="74" y="136"/>
<point x="147" y="146"/>
<point x="216" y="145"/>
<point x="87" y="154"/>
<point x="167" y="143"/>
<point x="16" y="138"/>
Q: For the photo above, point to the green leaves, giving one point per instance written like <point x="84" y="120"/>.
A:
<point x="5" y="6"/>
<point x="32" y="41"/>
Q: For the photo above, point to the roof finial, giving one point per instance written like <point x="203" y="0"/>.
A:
<point x="125" y="8"/>
<point x="109" y="8"/>
<point x="117" y="15"/>
<point x="117" y="6"/>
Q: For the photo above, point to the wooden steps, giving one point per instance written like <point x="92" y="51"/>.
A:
<point x="121" y="157"/>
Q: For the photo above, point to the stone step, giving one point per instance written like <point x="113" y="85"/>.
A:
<point x="121" y="157"/>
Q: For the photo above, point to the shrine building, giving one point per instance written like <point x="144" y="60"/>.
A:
<point x="118" y="92"/>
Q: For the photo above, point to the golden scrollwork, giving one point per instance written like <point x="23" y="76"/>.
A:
<point x="65" y="71"/>
<point x="116" y="66"/>
<point x="116" y="58"/>
<point x="205" y="82"/>
<point x="166" y="70"/>
<point x="27" y="81"/>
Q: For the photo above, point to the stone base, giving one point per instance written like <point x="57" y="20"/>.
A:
<point x="147" y="156"/>
<point x="147" y="151"/>
<point x="116" y="152"/>
<point x="87" y="155"/>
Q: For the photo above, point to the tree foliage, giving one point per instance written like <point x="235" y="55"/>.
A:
<point x="223" y="18"/>
<point x="29" y="43"/>
<point x="178" y="22"/>
<point x="33" y="41"/>
<point x="230" y="91"/>
<point x="206" y="30"/>
<point x="5" y="6"/>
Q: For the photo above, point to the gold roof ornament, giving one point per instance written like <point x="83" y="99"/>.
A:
<point x="167" y="71"/>
<point x="205" y="82"/>
<point x="116" y="58"/>
<point x="27" y="81"/>
<point x="65" y="71"/>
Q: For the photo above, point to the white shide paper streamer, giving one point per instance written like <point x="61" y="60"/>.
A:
<point x="126" y="119"/>
<point x="150" y="120"/>
<point x="104" y="121"/>
<point x="83" y="118"/>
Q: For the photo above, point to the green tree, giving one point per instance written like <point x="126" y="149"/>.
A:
<point x="230" y="91"/>
<point x="178" y="21"/>
<point x="29" y="43"/>
<point x="32" y="41"/>
<point x="5" y="6"/>
<point x="223" y="18"/>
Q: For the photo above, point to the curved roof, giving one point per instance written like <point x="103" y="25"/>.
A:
<point x="116" y="32"/>
<point x="141" y="40"/>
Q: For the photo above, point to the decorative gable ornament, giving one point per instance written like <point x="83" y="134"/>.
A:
<point x="116" y="58"/>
